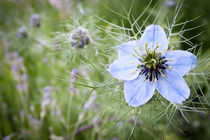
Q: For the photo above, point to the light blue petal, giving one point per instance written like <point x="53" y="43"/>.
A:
<point x="173" y="87"/>
<point x="153" y="35"/>
<point x="137" y="92"/>
<point x="182" y="61"/>
<point x="127" y="49"/>
<point x="125" y="68"/>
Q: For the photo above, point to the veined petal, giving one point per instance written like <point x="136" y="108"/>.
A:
<point x="173" y="87"/>
<point x="125" y="68"/>
<point x="127" y="49"/>
<point x="153" y="35"/>
<point x="182" y="61"/>
<point x="137" y="92"/>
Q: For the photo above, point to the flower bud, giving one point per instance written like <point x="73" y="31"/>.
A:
<point x="35" y="20"/>
<point x="22" y="32"/>
<point x="79" y="38"/>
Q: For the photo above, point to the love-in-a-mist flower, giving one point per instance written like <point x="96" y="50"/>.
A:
<point x="147" y="64"/>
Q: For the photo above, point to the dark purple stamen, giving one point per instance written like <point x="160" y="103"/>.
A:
<point x="154" y="73"/>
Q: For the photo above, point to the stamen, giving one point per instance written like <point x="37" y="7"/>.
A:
<point x="131" y="63"/>
<point x="155" y="48"/>
<point x="169" y="68"/>
<point x="162" y="73"/>
<point x="146" y="48"/>
<point x="169" y="59"/>
<point x="138" y="53"/>
<point x="134" y="72"/>
<point x="135" y="56"/>
<point x="165" y="51"/>
<point x="153" y="64"/>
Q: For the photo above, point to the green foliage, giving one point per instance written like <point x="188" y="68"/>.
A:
<point x="54" y="102"/>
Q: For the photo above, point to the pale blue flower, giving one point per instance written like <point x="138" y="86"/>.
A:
<point x="147" y="64"/>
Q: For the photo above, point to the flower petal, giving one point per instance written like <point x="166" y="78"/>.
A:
<point x="125" y="68"/>
<point x="183" y="61"/>
<point x="137" y="92"/>
<point x="153" y="35"/>
<point x="127" y="49"/>
<point x="173" y="87"/>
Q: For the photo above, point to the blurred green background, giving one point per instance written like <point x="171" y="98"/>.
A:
<point x="38" y="99"/>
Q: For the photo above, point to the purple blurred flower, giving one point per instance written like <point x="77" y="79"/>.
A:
<point x="36" y="123"/>
<point x="45" y="60"/>
<point x="61" y="5"/>
<point x="24" y="77"/>
<point x="6" y="138"/>
<point x="20" y="60"/>
<point x="74" y="75"/>
<point x="73" y="78"/>
<point x="90" y="102"/>
<point x="19" y="87"/>
<point x="22" y="32"/>
<point x="47" y="89"/>
<point x="35" y="20"/>
<point x="170" y="3"/>
<point x="14" y="68"/>
<point x="72" y="89"/>
<point x="8" y="56"/>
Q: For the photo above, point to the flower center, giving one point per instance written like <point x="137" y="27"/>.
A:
<point x="153" y="64"/>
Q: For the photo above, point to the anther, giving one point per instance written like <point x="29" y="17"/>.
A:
<point x="156" y="48"/>
<point x="162" y="73"/>
<point x="134" y="72"/>
<point x="169" y="59"/>
<point x="147" y="50"/>
<point x="140" y="48"/>
<point x="169" y="68"/>
<point x="131" y="63"/>
<point x="135" y="56"/>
